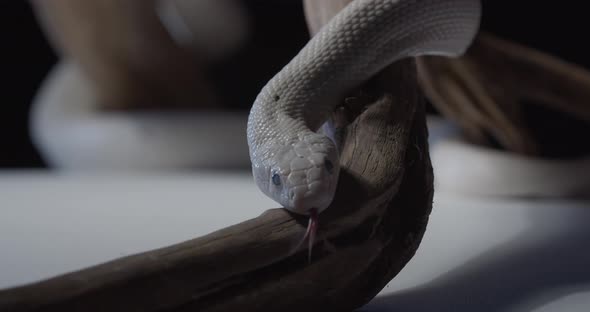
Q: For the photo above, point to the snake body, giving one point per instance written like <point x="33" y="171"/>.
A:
<point x="291" y="162"/>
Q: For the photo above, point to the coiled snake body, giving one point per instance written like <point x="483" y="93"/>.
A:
<point x="291" y="162"/>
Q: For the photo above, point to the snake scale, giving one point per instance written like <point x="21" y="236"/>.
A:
<point x="292" y="162"/>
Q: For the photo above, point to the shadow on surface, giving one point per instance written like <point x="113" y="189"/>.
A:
<point x="541" y="265"/>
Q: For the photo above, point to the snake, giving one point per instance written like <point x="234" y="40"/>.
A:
<point x="295" y="163"/>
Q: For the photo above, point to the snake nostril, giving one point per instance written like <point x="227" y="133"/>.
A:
<point x="276" y="179"/>
<point x="329" y="166"/>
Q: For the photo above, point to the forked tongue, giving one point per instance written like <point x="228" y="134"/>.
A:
<point x="310" y="232"/>
<point x="312" y="228"/>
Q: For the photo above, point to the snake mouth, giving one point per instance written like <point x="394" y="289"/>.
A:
<point x="315" y="194"/>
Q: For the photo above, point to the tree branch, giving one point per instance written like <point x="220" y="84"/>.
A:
<point x="373" y="227"/>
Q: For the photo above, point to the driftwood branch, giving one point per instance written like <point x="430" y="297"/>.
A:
<point x="484" y="90"/>
<point x="373" y="227"/>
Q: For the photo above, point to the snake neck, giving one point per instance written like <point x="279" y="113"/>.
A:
<point x="364" y="38"/>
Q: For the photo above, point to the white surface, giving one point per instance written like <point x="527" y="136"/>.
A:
<point x="478" y="254"/>
<point x="468" y="169"/>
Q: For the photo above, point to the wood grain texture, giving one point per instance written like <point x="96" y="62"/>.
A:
<point x="483" y="91"/>
<point x="369" y="233"/>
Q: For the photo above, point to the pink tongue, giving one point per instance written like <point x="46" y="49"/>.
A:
<point x="310" y="232"/>
<point x="312" y="227"/>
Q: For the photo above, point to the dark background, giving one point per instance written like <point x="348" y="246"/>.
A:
<point x="26" y="57"/>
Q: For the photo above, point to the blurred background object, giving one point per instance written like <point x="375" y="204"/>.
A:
<point x="243" y="71"/>
<point x="502" y="149"/>
<point x="262" y="36"/>
<point x="128" y="56"/>
<point x="113" y="101"/>
<point x="212" y="29"/>
<point x="524" y="250"/>
<point x="491" y="90"/>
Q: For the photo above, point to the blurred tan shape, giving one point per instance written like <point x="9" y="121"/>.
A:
<point x="213" y="29"/>
<point x="482" y="91"/>
<point x="126" y="51"/>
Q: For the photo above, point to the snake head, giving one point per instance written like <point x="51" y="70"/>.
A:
<point x="300" y="175"/>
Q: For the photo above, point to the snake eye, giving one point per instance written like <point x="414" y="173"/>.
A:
<point x="329" y="166"/>
<point x="276" y="179"/>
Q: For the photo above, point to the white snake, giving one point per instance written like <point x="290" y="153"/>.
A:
<point x="291" y="162"/>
